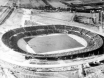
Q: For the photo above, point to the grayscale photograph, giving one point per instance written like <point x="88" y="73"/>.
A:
<point x="51" y="39"/>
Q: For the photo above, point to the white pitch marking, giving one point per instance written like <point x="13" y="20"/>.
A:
<point x="29" y="49"/>
<point x="79" y="39"/>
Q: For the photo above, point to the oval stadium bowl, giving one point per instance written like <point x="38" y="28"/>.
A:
<point x="49" y="48"/>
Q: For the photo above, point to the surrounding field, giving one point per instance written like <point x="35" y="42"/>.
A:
<point x="63" y="18"/>
<point x="3" y="2"/>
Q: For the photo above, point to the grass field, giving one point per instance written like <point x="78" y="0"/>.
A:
<point x="54" y="43"/>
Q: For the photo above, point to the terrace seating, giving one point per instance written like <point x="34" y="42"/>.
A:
<point x="28" y="33"/>
<point x="68" y="27"/>
<point x="5" y="38"/>
<point x="19" y="30"/>
<point x="84" y="32"/>
<point x="60" y="27"/>
<point x="76" y="29"/>
<point x="51" y="27"/>
<point x="50" y="31"/>
<point x="90" y="35"/>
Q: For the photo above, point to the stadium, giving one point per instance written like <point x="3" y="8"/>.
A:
<point x="52" y="39"/>
<point x="87" y="49"/>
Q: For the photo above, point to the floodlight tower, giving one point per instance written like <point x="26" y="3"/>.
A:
<point x="81" y="71"/>
<point x="101" y="19"/>
<point x="18" y="2"/>
<point x="26" y="16"/>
